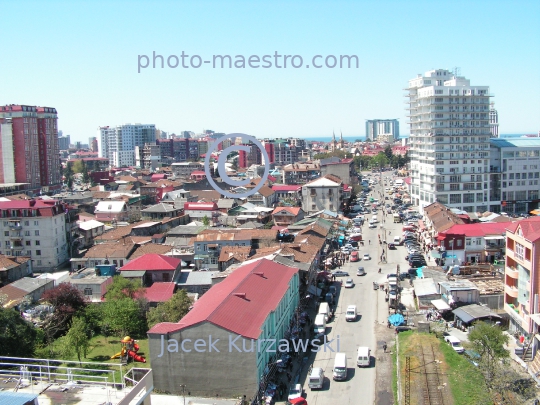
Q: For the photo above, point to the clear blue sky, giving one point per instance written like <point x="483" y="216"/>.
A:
<point x="81" y="57"/>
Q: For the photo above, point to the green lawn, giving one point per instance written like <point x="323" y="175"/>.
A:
<point x="465" y="382"/>
<point x="100" y="351"/>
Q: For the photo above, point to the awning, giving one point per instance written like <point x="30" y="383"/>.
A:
<point x="440" y="305"/>
<point x="494" y="237"/>
<point x="441" y="237"/>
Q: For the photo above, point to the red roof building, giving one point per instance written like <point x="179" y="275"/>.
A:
<point x="256" y="301"/>
<point x="159" y="292"/>
<point x="522" y="276"/>
<point x="197" y="206"/>
<point x="150" y="268"/>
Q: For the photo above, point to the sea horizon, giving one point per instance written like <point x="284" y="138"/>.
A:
<point x="363" y="137"/>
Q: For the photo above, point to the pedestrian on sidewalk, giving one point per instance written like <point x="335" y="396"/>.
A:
<point x="384" y="346"/>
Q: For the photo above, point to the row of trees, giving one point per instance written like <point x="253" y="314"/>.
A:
<point x="383" y="159"/>
<point x="79" y="166"/>
<point x="68" y="330"/>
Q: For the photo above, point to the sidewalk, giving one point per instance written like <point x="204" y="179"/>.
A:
<point x="158" y="399"/>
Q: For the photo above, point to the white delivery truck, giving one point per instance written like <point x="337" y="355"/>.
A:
<point x="319" y="326"/>
<point x="363" y="357"/>
<point x="340" y="367"/>
<point x="324" y="309"/>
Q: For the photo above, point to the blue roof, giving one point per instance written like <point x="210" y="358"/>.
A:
<point x="16" y="398"/>
<point x="532" y="142"/>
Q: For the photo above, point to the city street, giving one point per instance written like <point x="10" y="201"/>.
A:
<point x="368" y="330"/>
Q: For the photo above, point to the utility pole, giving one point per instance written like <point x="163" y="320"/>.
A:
<point x="183" y="386"/>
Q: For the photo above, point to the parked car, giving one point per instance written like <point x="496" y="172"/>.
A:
<point x="295" y="392"/>
<point x="340" y="273"/>
<point x="391" y="246"/>
<point x="355" y="256"/>
<point x="372" y="225"/>
<point x="367" y="256"/>
<point x="455" y="343"/>
<point x="349" y="283"/>
<point x="360" y="271"/>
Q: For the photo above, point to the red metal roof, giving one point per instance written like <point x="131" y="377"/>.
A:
<point x="292" y="210"/>
<point x="530" y="228"/>
<point x="479" y="229"/>
<point x="151" y="261"/>
<point x="284" y="187"/>
<point x="241" y="303"/>
<point x="198" y="173"/>
<point x="160" y="292"/>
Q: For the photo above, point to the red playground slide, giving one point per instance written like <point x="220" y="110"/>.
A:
<point x="136" y="357"/>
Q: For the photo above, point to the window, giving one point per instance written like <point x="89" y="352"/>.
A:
<point x="28" y="243"/>
<point x="36" y="223"/>
<point x="519" y="251"/>
<point x="36" y="232"/>
<point x="166" y="277"/>
<point x="468" y="242"/>
<point x="6" y="233"/>
<point x="87" y="291"/>
<point x="459" y="243"/>
<point x="26" y="223"/>
<point x="26" y="233"/>
<point x="37" y="243"/>
<point x="38" y="252"/>
<point x="455" y="198"/>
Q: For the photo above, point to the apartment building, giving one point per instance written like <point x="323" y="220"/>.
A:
<point x="118" y="143"/>
<point x="301" y="173"/>
<point x="522" y="276"/>
<point x="148" y="156"/>
<point x="386" y="130"/>
<point x="514" y="175"/>
<point x="322" y="194"/>
<point x="449" y="140"/>
<point x="34" y="228"/>
<point x="29" y="146"/>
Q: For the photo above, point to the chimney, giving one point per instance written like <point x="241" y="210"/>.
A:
<point x="241" y="295"/>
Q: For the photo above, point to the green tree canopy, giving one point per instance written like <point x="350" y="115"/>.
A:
<point x="17" y="336"/>
<point x="67" y="300"/>
<point x="76" y="340"/>
<point x="124" y="316"/>
<point x="122" y="287"/>
<point x="170" y="311"/>
<point x="206" y="220"/>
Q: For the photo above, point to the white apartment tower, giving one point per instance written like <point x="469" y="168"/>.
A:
<point x="494" y="121"/>
<point x="118" y="143"/>
<point x="449" y="140"/>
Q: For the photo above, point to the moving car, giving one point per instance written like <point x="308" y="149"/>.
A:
<point x="372" y="225"/>
<point x="340" y="273"/>
<point x="349" y="283"/>
<point x="391" y="246"/>
<point x="367" y="256"/>
<point x="351" y="313"/>
<point x="355" y="256"/>
<point x="361" y="271"/>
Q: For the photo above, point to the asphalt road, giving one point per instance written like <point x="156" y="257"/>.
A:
<point x="360" y="386"/>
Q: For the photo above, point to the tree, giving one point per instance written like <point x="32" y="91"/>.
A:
<point x="76" y="340"/>
<point x="67" y="300"/>
<point x="206" y="220"/>
<point x="124" y="316"/>
<point x="18" y="337"/>
<point x="170" y="311"/>
<point x="86" y="177"/>
<point x="122" y="287"/>
<point x="488" y="341"/>
<point x="380" y="160"/>
<point x="388" y="152"/>
<point x="78" y="166"/>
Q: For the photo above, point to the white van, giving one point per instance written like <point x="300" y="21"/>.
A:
<point x="324" y="309"/>
<point x="397" y="240"/>
<point x="319" y="325"/>
<point x="351" y="313"/>
<point x="340" y="367"/>
<point x="316" y="378"/>
<point x="363" y="358"/>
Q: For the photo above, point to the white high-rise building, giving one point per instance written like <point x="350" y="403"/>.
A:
<point x="382" y="130"/>
<point x="494" y="121"/>
<point x="449" y="140"/>
<point x="118" y="143"/>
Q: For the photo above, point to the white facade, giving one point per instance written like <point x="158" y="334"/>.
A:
<point x="515" y="175"/>
<point x="449" y="140"/>
<point x="118" y="143"/>
<point x="43" y="239"/>
<point x="321" y="194"/>
<point x="494" y="121"/>
<point x="382" y="130"/>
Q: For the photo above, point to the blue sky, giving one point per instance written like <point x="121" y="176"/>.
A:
<point x="81" y="57"/>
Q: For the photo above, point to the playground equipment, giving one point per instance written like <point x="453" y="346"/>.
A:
<point x="129" y="349"/>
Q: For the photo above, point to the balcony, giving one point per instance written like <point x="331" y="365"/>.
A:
<point x="15" y="225"/>
<point x="512" y="272"/>
<point x="17" y="247"/>
<point x="511" y="291"/>
<point x="490" y="247"/>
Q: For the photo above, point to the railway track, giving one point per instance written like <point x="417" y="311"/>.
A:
<point x="432" y="391"/>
